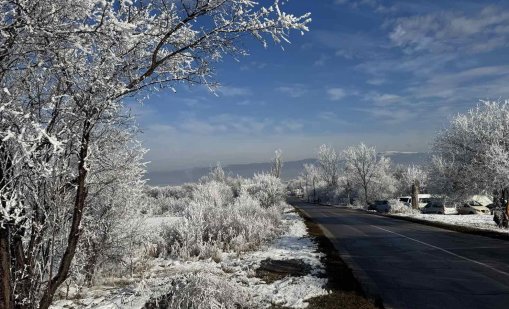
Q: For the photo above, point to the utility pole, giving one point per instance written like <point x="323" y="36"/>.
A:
<point x="314" y="189"/>
<point x="415" y="194"/>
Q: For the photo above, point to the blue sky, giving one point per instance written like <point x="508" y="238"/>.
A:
<point x="387" y="73"/>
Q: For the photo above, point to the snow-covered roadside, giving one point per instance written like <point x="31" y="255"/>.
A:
<point x="484" y="222"/>
<point x="238" y="270"/>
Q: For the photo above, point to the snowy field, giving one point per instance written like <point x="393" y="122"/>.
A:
<point x="233" y="271"/>
<point x="484" y="222"/>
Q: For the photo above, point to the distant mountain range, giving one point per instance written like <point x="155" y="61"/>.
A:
<point x="291" y="169"/>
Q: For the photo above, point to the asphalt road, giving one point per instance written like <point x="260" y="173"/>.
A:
<point x="411" y="265"/>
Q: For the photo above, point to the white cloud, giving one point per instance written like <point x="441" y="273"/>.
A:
<point x="440" y="32"/>
<point x="230" y="91"/>
<point x="384" y="99"/>
<point x="294" y="91"/>
<point x="352" y="45"/>
<point x="327" y="115"/>
<point x="376" y="81"/>
<point x="370" y="4"/>
<point x="392" y="116"/>
<point x="321" y="60"/>
<point x="332" y="118"/>
<point x="466" y="85"/>
<point x="336" y="94"/>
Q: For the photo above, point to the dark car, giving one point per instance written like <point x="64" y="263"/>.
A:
<point x="380" y="206"/>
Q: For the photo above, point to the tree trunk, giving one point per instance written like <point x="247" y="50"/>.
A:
<point x="506" y="208"/>
<point x="6" y="297"/>
<point x="75" y="231"/>
<point x="365" y="193"/>
<point x="415" y="195"/>
<point x="6" y="287"/>
<point x="90" y="264"/>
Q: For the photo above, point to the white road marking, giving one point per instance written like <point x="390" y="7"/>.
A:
<point x="446" y="251"/>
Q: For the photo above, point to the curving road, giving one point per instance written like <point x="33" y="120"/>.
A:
<point x="411" y="265"/>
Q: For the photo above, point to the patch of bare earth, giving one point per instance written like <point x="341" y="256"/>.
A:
<point x="272" y="270"/>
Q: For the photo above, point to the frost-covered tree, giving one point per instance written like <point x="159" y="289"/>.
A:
<point x="65" y="69"/>
<point x="311" y="176"/>
<point x="369" y="173"/>
<point x="408" y="175"/>
<point x="114" y="198"/>
<point x="328" y="161"/>
<point x="217" y="174"/>
<point x="471" y="155"/>
<point x="277" y="163"/>
<point x="411" y="180"/>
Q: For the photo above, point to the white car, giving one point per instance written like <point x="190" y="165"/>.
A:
<point x="424" y="199"/>
<point x="473" y="208"/>
<point x="439" y="207"/>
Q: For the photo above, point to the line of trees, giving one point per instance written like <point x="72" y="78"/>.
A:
<point x="68" y="153"/>
<point x="357" y="172"/>
<point x="469" y="157"/>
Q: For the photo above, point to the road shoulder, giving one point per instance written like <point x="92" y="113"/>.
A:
<point x="348" y="287"/>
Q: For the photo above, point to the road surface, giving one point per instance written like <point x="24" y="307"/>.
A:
<point x="411" y="265"/>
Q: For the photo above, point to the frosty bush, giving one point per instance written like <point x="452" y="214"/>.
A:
<point x="214" y="220"/>
<point x="176" y="192"/>
<point x="398" y="207"/>
<point x="203" y="291"/>
<point x="267" y="189"/>
<point x="215" y="193"/>
<point x="208" y="228"/>
<point x="326" y="194"/>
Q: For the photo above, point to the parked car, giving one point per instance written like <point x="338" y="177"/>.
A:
<point x="380" y="206"/>
<point x="424" y="199"/>
<point x="473" y="208"/>
<point x="491" y="207"/>
<point x="439" y="207"/>
<point x="485" y="200"/>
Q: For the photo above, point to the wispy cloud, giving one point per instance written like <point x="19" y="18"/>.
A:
<point x="352" y="45"/>
<point x="230" y="91"/>
<point x="391" y="116"/>
<point x="336" y="94"/>
<point x="294" y="91"/>
<point x="370" y="4"/>
<point x="230" y="124"/>
<point x="449" y="31"/>
<point x="322" y="60"/>
<point x="383" y="99"/>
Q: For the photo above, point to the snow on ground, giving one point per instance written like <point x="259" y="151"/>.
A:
<point x="288" y="292"/>
<point x="484" y="222"/>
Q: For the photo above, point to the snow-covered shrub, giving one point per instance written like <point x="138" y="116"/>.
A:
<point x="398" y="207"/>
<point x="267" y="189"/>
<point x="326" y="194"/>
<point x="205" y="290"/>
<point x="216" y="193"/>
<point x="169" y="205"/>
<point x="176" y="192"/>
<point x="209" y="225"/>
<point x="358" y="204"/>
